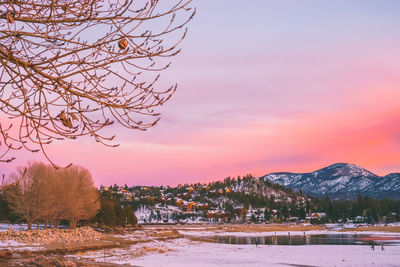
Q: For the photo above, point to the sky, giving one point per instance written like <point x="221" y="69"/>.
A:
<point x="265" y="86"/>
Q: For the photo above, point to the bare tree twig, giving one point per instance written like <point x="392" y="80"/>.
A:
<point x="71" y="68"/>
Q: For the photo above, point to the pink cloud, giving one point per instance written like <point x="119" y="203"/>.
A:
<point x="293" y="98"/>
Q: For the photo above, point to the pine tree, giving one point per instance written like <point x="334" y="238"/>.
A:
<point x="130" y="216"/>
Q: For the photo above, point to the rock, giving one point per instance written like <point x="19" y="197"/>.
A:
<point x="16" y="256"/>
<point x="44" y="261"/>
<point x="51" y="235"/>
<point x="69" y="264"/>
<point x="5" y="254"/>
<point x="10" y="230"/>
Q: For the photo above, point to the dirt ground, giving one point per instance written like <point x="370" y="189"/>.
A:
<point x="238" y="227"/>
<point x="392" y="229"/>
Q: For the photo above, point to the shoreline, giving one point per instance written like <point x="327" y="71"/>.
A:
<point x="180" y="252"/>
<point x="155" y="241"/>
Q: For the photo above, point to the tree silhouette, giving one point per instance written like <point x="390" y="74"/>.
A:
<point x="71" y="68"/>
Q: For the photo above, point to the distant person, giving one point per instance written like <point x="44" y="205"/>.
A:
<point x="382" y="248"/>
<point x="256" y="243"/>
<point x="372" y="246"/>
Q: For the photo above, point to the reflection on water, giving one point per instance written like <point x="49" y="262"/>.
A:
<point x="328" y="239"/>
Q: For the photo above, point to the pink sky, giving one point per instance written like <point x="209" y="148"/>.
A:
<point x="284" y="88"/>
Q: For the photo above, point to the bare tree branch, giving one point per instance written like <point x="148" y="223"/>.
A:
<point x="71" y="68"/>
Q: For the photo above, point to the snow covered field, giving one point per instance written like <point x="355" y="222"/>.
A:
<point x="210" y="254"/>
<point x="16" y="246"/>
<point x="20" y="227"/>
<point x="16" y="227"/>
<point x="184" y="252"/>
<point x="188" y="252"/>
<point x="193" y="250"/>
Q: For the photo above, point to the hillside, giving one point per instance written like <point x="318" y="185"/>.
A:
<point x="251" y="199"/>
<point x="233" y="199"/>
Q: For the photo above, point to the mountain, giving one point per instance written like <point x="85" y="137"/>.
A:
<point x="340" y="181"/>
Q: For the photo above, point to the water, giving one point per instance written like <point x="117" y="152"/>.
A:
<point x="325" y="239"/>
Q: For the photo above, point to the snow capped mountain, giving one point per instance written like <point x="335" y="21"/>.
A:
<point x="340" y="180"/>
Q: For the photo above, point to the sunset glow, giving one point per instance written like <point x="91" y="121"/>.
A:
<point x="271" y="86"/>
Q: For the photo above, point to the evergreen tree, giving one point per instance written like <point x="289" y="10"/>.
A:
<point x="130" y="215"/>
<point x="120" y="215"/>
<point x="266" y="214"/>
<point x="6" y="213"/>
<point x="107" y="215"/>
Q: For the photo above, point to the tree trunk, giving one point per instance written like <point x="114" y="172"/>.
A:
<point x="29" y="225"/>
<point x="37" y="225"/>
<point x="56" y="224"/>
<point x="72" y="223"/>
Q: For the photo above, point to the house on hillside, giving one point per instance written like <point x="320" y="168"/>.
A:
<point x="316" y="216"/>
<point x="217" y="216"/>
<point x="180" y="203"/>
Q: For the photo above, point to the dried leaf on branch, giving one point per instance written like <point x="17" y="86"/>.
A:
<point x="72" y="68"/>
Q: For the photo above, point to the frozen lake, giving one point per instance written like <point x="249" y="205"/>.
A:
<point x="321" y="239"/>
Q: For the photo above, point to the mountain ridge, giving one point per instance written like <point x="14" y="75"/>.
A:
<point x="340" y="181"/>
